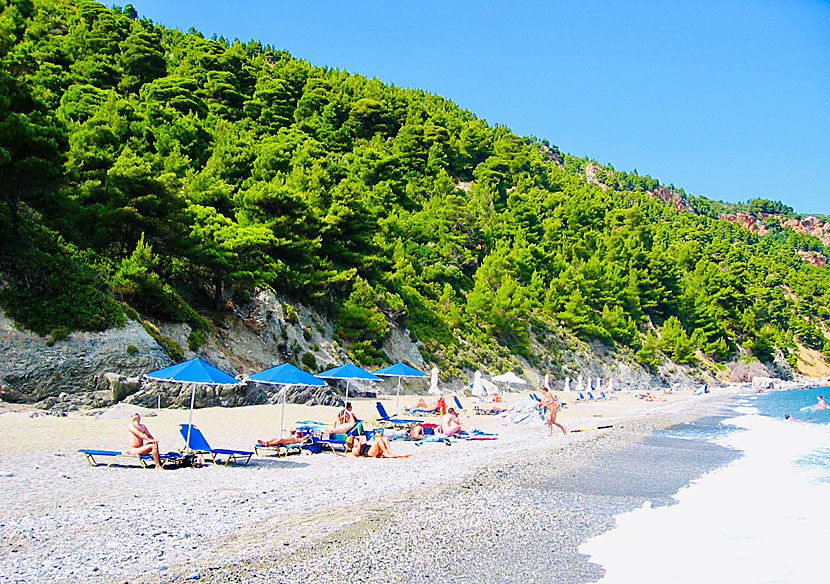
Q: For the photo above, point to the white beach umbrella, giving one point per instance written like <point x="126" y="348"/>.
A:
<point x="547" y="382"/>
<point x="509" y="378"/>
<point x="478" y="387"/>
<point x="433" y="383"/>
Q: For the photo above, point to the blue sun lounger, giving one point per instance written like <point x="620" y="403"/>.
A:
<point x="145" y="460"/>
<point x="394" y="420"/>
<point x="320" y="441"/>
<point x="199" y="445"/>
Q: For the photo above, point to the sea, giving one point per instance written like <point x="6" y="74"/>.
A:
<point x="762" y="518"/>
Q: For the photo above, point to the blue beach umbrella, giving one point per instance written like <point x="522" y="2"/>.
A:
<point x="286" y="375"/>
<point x="193" y="371"/>
<point x="348" y="372"/>
<point x="399" y="370"/>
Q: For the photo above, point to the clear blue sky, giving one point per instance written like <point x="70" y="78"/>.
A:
<point x="725" y="99"/>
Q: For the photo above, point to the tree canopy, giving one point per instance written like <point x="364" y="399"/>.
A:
<point x="143" y="161"/>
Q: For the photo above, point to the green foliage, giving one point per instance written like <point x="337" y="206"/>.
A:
<point x="195" y="339"/>
<point x="171" y="347"/>
<point x="148" y="165"/>
<point x="132" y="350"/>
<point x="309" y="361"/>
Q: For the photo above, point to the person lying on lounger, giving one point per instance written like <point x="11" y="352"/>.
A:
<point x="450" y="424"/>
<point x="294" y="437"/>
<point x="346" y="420"/>
<point x="378" y="448"/>
<point x="141" y="441"/>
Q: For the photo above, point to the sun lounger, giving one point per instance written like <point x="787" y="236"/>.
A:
<point x="283" y="449"/>
<point x="458" y="403"/>
<point x="393" y="420"/>
<point x="199" y="445"/>
<point x="421" y="412"/>
<point x="145" y="460"/>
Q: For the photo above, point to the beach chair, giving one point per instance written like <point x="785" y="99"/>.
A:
<point x="199" y="445"/>
<point x="321" y="440"/>
<point x="590" y="396"/>
<point x="283" y="449"/>
<point x="458" y="403"/>
<point x="580" y="397"/>
<point x="145" y="460"/>
<point x="393" y="420"/>
<point x="489" y="410"/>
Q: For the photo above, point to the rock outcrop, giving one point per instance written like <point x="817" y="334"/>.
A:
<point x="75" y="366"/>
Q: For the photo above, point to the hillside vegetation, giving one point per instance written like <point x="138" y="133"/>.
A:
<point x="144" y="170"/>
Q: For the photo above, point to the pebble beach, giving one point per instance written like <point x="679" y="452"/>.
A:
<point x="508" y="510"/>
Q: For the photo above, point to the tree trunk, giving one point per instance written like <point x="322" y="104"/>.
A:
<point x="217" y="292"/>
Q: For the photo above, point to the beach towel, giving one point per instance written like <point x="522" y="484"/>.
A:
<point x="526" y="412"/>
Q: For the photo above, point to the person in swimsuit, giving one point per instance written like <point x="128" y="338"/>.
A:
<point x="346" y="420"/>
<point x="378" y="448"/>
<point x="450" y="424"/>
<point x="551" y="406"/>
<point x="821" y="405"/>
<point x="141" y="441"/>
<point x="294" y="437"/>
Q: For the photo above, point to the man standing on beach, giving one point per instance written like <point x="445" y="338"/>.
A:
<point x="550" y="404"/>
<point x="141" y="441"/>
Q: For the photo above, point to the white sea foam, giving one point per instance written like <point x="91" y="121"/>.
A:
<point x="761" y="519"/>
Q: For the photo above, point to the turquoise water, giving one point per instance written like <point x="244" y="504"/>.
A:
<point x="764" y="518"/>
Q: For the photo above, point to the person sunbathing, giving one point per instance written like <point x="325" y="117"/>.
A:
<point x="378" y="448"/>
<point x="346" y="420"/>
<point x="141" y="441"/>
<point x="294" y="437"/>
<point x="450" y="424"/>
<point x="422" y="405"/>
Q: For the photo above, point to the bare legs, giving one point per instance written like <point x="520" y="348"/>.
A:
<point x="151" y="448"/>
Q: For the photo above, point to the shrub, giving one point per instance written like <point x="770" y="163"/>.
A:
<point x="195" y="339"/>
<point x="170" y="346"/>
<point x="57" y="334"/>
<point x="132" y="350"/>
<point x="310" y="361"/>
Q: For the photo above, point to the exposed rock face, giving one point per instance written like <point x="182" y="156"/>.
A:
<point x="747" y="220"/>
<point x="809" y="226"/>
<point x="672" y="198"/>
<point x="591" y="170"/>
<point x="551" y="155"/>
<point x="813" y="257"/>
<point x="34" y="371"/>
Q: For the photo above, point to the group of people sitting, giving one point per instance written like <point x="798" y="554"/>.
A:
<point x="377" y="446"/>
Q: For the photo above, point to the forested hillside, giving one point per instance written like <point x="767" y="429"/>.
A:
<point x="144" y="170"/>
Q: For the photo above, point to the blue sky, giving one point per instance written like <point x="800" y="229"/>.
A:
<point x="725" y="99"/>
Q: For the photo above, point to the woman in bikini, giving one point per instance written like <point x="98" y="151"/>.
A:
<point x="378" y="448"/>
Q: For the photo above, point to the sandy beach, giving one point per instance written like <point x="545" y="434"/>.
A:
<point x="449" y="512"/>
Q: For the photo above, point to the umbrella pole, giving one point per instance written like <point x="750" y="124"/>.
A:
<point x="398" y="401"/>
<point x="345" y="401"/>
<point x="282" y="416"/>
<point x="190" y="418"/>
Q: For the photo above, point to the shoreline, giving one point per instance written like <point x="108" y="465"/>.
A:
<point x="499" y="523"/>
<point x="279" y="519"/>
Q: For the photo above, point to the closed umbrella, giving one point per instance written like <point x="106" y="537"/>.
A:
<point x="433" y="383"/>
<point x="399" y="370"/>
<point x="286" y="375"/>
<point x="195" y="371"/>
<point x="348" y="372"/>
<point x="478" y="387"/>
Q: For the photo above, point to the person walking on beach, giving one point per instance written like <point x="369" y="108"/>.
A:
<point x="141" y="441"/>
<point x="551" y="406"/>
